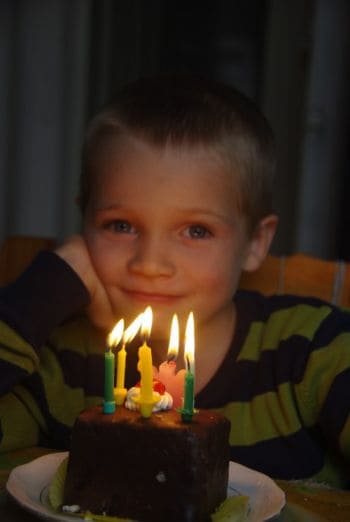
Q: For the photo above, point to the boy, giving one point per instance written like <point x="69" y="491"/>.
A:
<point x="175" y="197"/>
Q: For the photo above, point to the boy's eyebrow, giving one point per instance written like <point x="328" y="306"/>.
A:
<point x="210" y="213"/>
<point x="108" y="207"/>
<point x="193" y="210"/>
<point x="190" y="210"/>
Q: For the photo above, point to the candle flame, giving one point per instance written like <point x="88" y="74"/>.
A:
<point x="132" y="329"/>
<point x="173" y="349"/>
<point x="189" y="343"/>
<point x="146" y="325"/>
<point x="116" y="334"/>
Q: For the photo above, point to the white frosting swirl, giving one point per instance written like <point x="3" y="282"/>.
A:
<point x="165" y="401"/>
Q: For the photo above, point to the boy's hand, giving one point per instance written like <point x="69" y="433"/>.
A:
<point x="74" y="252"/>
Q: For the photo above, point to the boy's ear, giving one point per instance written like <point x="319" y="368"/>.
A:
<point x="260" y="242"/>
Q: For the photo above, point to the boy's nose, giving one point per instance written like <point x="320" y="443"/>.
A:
<point x="151" y="258"/>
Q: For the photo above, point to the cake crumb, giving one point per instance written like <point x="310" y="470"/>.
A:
<point x="74" y="508"/>
<point x="161" y="477"/>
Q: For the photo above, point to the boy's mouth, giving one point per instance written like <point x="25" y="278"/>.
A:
<point x="151" y="298"/>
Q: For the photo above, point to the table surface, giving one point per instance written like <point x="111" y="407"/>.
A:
<point x="305" y="502"/>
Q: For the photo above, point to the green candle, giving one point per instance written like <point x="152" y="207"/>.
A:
<point x="109" y="402"/>
<point x="187" y="411"/>
<point x="188" y="406"/>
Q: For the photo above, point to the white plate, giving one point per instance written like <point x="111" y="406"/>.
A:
<point x="28" y="485"/>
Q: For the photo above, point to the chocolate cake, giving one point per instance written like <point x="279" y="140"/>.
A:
<point x="148" y="469"/>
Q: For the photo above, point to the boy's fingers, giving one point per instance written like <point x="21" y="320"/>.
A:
<point x="100" y="312"/>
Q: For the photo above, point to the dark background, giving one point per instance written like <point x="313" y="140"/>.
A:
<point x="60" y="60"/>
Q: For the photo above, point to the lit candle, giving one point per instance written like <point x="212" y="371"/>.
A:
<point x="112" y="340"/>
<point x="147" y="397"/>
<point x="166" y="373"/>
<point x="187" y="411"/>
<point x="120" y="391"/>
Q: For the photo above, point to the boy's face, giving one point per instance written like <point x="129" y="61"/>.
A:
<point x="163" y="229"/>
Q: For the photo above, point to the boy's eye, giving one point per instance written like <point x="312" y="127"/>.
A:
<point x="198" y="232"/>
<point x="119" y="226"/>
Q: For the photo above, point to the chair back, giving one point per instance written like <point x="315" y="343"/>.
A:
<point x="17" y="252"/>
<point x="304" y="275"/>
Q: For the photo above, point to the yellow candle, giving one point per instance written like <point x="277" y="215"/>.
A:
<point x="147" y="397"/>
<point x="145" y="362"/>
<point x="121" y="359"/>
<point x="120" y="391"/>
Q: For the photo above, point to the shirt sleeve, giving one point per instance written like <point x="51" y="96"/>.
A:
<point x="325" y="389"/>
<point x="43" y="297"/>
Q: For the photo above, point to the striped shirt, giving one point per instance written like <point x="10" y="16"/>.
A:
<point x="284" y="384"/>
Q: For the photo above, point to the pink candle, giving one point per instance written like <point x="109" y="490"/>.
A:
<point x="166" y="373"/>
<point x="173" y="382"/>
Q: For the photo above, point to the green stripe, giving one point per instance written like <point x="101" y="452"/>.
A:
<point x="26" y="398"/>
<point x="63" y="401"/>
<point x="18" y="426"/>
<point x="303" y="320"/>
<point x="15" y="350"/>
<point x="265" y="417"/>
<point x="78" y="337"/>
<point x="322" y="366"/>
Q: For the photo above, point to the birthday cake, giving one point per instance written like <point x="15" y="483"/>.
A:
<point x="148" y="469"/>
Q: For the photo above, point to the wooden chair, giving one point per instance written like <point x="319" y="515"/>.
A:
<point x="17" y="252"/>
<point x="302" y="275"/>
<point x="298" y="274"/>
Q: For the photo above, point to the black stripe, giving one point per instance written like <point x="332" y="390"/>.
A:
<point x="87" y="372"/>
<point x="80" y="371"/>
<point x="259" y="307"/>
<point x="297" y="456"/>
<point x="338" y="321"/>
<point x="241" y="381"/>
<point x="45" y="295"/>
<point x="58" y="434"/>
<point x="335" y="410"/>
<point x="10" y="376"/>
